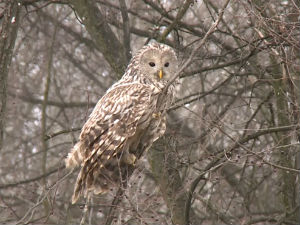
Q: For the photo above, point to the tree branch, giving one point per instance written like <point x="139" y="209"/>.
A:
<point x="8" y="35"/>
<point x="42" y="176"/>
<point x="34" y="100"/>
<point x="165" y="173"/>
<point x="198" y="46"/>
<point x="178" y="17"/>
<point x="126" y="30"/>
<point x="102" y="34"/>
<point x="52" y="135"/>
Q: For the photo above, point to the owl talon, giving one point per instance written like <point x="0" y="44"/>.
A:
<point x="156" y="115"/>
<point x="129" y="159"/>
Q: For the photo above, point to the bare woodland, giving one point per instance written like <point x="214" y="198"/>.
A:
<point x="231" y="152"/>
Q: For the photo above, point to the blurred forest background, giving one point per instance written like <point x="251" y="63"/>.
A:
<point x="231" y="154"/>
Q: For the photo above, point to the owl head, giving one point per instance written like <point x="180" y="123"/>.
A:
<point x="158" y="61"/>
<point x="155" y="61"/>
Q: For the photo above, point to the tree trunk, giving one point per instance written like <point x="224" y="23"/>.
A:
<point x="95" y="23"/>
<point x="8" y="34"/>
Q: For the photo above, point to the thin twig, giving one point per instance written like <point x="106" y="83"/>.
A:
<point x="46" y="194"/>
<point x="86" y="208"/>
<point x="239" y="143"/>
<point x="126" y="29"/>
<point x="115" y="202"/>
<point x="209" y="168"/>
<point x="198" y="46"/>
<point x="49" y="136"/>
<point x="45" y="104"/>
<point x="32" y="179"/>
<point x="178" y="17"/>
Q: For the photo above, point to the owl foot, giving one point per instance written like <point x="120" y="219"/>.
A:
<point x="156" y="115"/>
<point x="99" y="190"/>
<point x="129" y="158"/>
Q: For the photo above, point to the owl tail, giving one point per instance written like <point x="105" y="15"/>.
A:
<point x="89" y="179"/>
<point x="78" y="187"/>
<point x="75" y="157"/>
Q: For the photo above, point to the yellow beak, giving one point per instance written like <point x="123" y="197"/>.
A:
<point x="160" y="74"/>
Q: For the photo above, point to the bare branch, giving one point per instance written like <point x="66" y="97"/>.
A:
<point x="198" y="46"/>
<point x="101" y="33"/>
<point x="126" y="30"/>
<point x="184" y="7"/>
<point x="8" y="35"/>
<point x="42" y="176"/>
<point x="33" y="100"/>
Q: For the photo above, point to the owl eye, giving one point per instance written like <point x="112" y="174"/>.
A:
<point x="152" y="64"/>
<point x="166" y="64"/>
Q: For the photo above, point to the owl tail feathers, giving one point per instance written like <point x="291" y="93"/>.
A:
<point x="77" y="193"/>
<point x="79" y="187"/>
<point x="75" y="197"/>
<point x="75" y="157"/>
<point x="85" y="184"/>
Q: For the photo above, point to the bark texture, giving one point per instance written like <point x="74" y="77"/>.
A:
<point x="8" y="35"/>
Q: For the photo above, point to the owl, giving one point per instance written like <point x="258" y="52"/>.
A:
<point x="125" y="122"/>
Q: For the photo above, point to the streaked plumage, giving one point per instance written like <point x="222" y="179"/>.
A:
<point x="125" y="122"/>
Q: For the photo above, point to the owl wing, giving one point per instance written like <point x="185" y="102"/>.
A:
<point x="114" y="119"/>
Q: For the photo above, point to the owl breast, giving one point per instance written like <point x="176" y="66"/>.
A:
<point x="154" y="126"/>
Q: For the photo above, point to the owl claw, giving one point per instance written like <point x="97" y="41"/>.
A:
<point x="132" y="159"/>
<point x="156" y="115"/>
<point x="129" y="159"/>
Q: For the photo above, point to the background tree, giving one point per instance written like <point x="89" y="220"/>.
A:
<point x="231" y="152"/>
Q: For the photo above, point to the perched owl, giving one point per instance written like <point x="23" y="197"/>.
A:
<point x="125" y="122"/>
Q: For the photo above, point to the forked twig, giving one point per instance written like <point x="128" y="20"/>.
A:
<point x="198" y="46"/>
